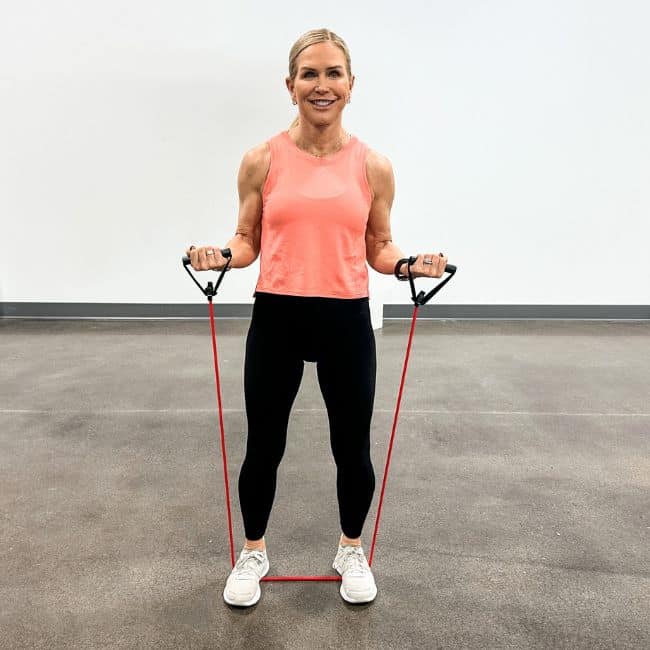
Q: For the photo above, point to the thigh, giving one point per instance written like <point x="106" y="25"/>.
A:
<point x="347" y="376"/>
<point x="272" y="376"/>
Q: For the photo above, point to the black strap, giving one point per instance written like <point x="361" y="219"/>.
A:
<point x="422" y="298"/>
<point x="397" y="271"/>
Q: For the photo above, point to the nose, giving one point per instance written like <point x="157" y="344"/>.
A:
<point x="322" y="83"/>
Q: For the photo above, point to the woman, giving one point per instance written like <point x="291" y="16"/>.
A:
<point x="315" y="202"/>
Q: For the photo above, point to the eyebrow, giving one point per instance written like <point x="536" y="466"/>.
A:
<point x="331" y="67"/>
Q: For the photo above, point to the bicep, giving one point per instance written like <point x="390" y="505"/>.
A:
<point x="382" y="183"/>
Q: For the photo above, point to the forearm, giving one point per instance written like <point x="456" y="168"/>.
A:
<point x="385" y="256"/>
<point x="243" y="253"/>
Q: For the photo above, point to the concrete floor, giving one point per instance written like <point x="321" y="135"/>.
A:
<point x="517" y="512"/>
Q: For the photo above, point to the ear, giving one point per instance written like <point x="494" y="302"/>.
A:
<point x="352" y="81"/>
<point x="289" y="85"/>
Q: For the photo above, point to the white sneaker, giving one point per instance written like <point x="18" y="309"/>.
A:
<point x="358" y="584"/>
<point x="243" y="584"/>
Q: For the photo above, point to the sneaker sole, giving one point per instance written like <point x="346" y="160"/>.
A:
<point x="349" y="599"/>
<point x="254" y="599"/>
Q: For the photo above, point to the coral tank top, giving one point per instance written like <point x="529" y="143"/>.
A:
<point x="314" y="216"/>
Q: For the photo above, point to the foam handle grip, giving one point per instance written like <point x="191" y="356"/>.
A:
<point x="450" y="268"/>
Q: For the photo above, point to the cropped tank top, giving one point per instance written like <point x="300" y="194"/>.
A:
<point x="314" y="217"/>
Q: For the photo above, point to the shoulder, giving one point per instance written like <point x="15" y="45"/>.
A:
<point x="380" y="172"/>
<point x="255" y="164"/>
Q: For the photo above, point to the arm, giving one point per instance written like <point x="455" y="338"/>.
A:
<point x="381" y="253"/>
<point x="245" y="245"/>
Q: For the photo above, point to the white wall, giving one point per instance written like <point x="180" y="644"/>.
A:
<point x="518" y="132"/>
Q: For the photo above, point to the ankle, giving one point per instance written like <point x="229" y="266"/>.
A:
<point x="348" y="541"/>
<point x="257" y="545"/>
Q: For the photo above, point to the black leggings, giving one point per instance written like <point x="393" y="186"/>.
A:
<point x="336" y="333"/>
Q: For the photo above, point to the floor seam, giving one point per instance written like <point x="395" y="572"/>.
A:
<point x="323" y="410"/>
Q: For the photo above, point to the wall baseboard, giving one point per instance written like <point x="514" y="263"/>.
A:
<point x="104" y="310"/>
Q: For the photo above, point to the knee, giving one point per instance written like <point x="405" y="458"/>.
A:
<point x="353" y="460"/>
<point x="263" y="460"/>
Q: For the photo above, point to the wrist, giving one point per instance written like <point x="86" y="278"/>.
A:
<point x="401" y="269"/>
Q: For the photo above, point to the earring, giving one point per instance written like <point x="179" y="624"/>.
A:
<point x="294" y="102"/>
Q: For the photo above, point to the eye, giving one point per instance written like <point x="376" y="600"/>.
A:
<point x="311" y="72"/>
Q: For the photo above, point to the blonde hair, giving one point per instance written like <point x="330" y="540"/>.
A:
<point x="309" y="38"/>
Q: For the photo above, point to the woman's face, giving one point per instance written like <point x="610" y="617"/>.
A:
<point x="321" y="75"/>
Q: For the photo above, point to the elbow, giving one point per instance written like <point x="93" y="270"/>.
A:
<point x="256" y="242"/>
<point x="373" y="251"/>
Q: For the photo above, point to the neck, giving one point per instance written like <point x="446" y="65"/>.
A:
<point x="319" y="139"/>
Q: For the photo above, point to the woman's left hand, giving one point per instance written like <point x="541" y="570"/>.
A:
<point x="428" y="265"/>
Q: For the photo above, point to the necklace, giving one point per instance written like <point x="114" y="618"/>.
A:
<point x="339" y="145"/>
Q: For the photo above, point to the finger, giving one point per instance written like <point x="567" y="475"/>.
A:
<point x="212" y="256"/>
<point x="219" y="260"/>
<point x="428" y="265"/>
<point x="431" y="262"/>
<point x="194" y="258"/>
<point x="442" y="263"/>
<point x="203" y="262"/>
<point x="435" y="265"/>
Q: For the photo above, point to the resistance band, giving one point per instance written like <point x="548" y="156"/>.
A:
<point x="418" y="300"/>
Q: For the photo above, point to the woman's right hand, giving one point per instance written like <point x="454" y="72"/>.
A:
<point x="206" y="258"/>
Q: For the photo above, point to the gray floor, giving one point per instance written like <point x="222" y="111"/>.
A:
<point x="516" y="515"/>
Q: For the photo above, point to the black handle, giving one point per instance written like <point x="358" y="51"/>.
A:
<point x="210" y="290"/>
<point x="224" y="251"/>
<point x="422" y="298"/>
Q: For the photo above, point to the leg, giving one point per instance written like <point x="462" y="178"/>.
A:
<point x="272" y="377"/>
<point x="347" y="375"/>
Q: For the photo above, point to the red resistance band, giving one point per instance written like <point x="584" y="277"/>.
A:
<point x="225" y="463"/>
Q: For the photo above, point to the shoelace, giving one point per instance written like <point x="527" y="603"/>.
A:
<point x="354" y="560"/>
<point x="246" y="565"/>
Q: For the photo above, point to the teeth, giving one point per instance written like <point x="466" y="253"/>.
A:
<point x="323" y="102"/>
